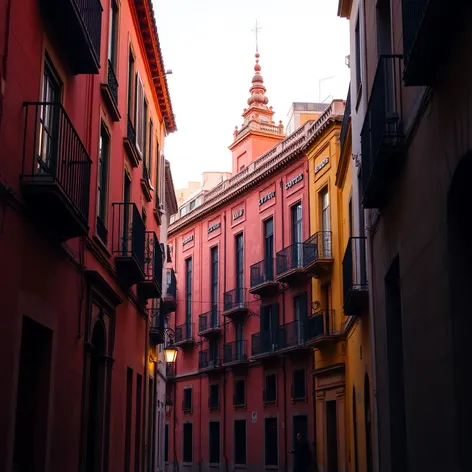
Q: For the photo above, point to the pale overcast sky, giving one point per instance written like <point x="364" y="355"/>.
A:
<point x="210" y="47"/>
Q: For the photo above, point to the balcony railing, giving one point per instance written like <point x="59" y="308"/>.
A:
<point x="128" y="242"/>
<point x="382" y="135"/>
<point x="425" y="51"/>
<point x="78" y="27"/>
<point x="346" y="120"/>
<point x="208" y="360"/>
<point x="292" y="334"/>
<point x="208" y="321"/>
<point x="235" y="351"/>
<point x="56" y="169"/>
<point x="265" y="342"/>
<point x="184" y="333"/>
<point x="290" y="258"/>
<point x="170" y="370"/>
<point x="112" y="82"/>
<point x="355" y="276"/>
<point x="262" y="275"/>
<point x="151" y="287"/>
<point x="320" y="324"/>
<point x="235" y="300"/>
<point x="130" y="144"/>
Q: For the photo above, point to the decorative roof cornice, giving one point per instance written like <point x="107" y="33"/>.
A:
<point x="281" y="155"/>
<point x="170" y="199"/>
<point x="148" y="28"/>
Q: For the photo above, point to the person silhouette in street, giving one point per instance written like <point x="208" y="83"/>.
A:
<point x="301" y="454"/>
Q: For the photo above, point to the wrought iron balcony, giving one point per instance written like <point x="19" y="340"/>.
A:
<point x="158" y="326"/>
<point x="319" y="328"/>
<point x="208" y="324"/>
<point x="263" y="281"/>
<point x="151" y="286"/>
<point x="355" y="288"/>
<point x="290" y="264"/>
<point x="265" y="343"/>
<point x="235" y="303"/>
<point x="170" y="292"/>
<point x="128" y="242"/>
<point x="110" y="92"/>
<point x="425" y="50"/>
<point x="146" y="183"/>
<point x="235" y="353"/>
<point x="129" y="143"/>
<point x="382" y="137"/>
<point x="317" y="254"/>
<point x="170" y="370"/>
<point x="77" y="25"/>
<point x="292" y="336"/>
<point x="208" y="360"/>
<point x="55" y="176"/>
<point x="184" y="334"/>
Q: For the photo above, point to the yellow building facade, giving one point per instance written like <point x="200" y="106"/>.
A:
<point x="342" y="354"/>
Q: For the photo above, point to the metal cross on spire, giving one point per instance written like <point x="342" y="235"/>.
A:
<point x="256" y="33"/>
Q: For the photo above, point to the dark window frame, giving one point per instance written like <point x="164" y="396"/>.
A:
<point x="295" y="395"/>
<point x="187" y="425"/>
<point x="238" y="437"/>
<point x="270" y="396"/>
<point x="187" y="402"/>
<point x="236" y="404"/>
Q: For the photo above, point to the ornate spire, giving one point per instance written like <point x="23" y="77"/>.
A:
<point x="257" y="90"/>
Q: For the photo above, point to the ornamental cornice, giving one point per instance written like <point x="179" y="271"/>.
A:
<point x="281" y="155"/>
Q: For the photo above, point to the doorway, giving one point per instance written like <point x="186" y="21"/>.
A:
<point x="32" y="398"/>
<point x="300" y="425"/>
<point x="332" y="435"/>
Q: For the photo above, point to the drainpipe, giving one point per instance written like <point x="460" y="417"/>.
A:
<point x="284" y="366"/>
<point x="224" y="343"/>
<point x="145" y="446"/>
<point x="200" y="377"/>
<point x="175" y="467"/>
<point x="370" y="278"/>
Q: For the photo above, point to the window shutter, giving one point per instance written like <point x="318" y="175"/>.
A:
<point x="139" y="115"/>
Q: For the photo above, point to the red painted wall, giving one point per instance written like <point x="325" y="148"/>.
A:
<point x="251" y="224"/>
<point x="42" y="279"/>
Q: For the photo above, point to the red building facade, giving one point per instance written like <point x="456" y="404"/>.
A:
<point x="84" y="114"/>
<point x="241" y="388"/>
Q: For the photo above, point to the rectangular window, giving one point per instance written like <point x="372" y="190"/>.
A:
<point x="271" y="442"/>
<point x="149" y="153"/>
<point x="188" y="443"/>
<point x="187" y="401"/>
<point x="166" y="443"/>
<point x="332" y="435"/>
<point x="131" y="87"/>
<point x="239" y="398"/>
<point x="129" y="411"/>
<point x="140" y="116"/>
<point x="298" y="384"/>
<point x="214" y="397"/>
<point x="157" y="192"/>
<point x="113" y="34"/>
<point x="137" y="433"/>
<point x="214" y="286"/>
<point x="358" y="55"/>
<point x="240" y="442"/>
<point x="297" y="236"/>
<point x="270" y="390"/>
<point x="269" y="325"/>
<point x="269" y="248"/>
<point x="325" y="241"/>
<point x="240" y="268"/>
<point x="188" y="293"/>
<point x="301" y="314"/>
<point x="102" y="184"/>
<point x="214" y="442"/>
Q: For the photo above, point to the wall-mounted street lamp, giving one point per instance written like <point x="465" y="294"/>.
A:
<point x="167" y="72"/>
<point x="169" y="405"/>
<point x="170" y="351"/>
